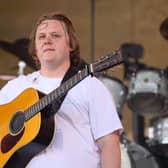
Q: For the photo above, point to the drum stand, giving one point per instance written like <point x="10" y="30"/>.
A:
<point x="139" y="138"/>
<point x="138" y="128"/>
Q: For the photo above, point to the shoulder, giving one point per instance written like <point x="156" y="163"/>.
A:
<point x="93" y="81"/>
<point x="15" y="86"/>
<point x="96" y="84"/>
<point x="92" y="87"/>
<point x="89" y="83"/>
<point x="23" y="78"/>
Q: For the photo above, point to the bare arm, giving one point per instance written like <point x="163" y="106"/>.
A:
<point x="109" y="146"/>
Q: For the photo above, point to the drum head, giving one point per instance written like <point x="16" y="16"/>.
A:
<point x="136" y="156"/>
<point x="145" y="104"/>
<point x="148" y="92"/>
<point x="117" y="89"/>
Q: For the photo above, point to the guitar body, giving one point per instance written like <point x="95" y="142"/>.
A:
<point x="11" y="143"/>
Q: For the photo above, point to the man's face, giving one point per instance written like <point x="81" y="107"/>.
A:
<point x="52" y="43"/>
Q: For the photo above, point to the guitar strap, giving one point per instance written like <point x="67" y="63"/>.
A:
<point x="56" y="104"/>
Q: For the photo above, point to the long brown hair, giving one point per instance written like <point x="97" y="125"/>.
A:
<point x="73" y="40"/>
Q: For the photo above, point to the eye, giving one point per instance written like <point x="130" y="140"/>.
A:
<point x="56" y="35"/>
<point x="41" y="36"/>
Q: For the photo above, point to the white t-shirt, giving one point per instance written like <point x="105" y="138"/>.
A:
<point x="86" y="114"/>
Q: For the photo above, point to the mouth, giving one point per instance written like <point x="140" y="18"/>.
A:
<point x="48" y="49"/>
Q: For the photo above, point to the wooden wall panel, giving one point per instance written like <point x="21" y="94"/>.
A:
<point x="116" y="22"/>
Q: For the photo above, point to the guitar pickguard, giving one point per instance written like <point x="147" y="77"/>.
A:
<point x="9" y="141"/>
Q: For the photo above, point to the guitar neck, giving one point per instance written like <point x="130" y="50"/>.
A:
<point x="56" y="94"/>
<point x="106" y="62"/>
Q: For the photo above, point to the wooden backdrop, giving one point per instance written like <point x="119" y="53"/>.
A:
<point x="115" y="23"/>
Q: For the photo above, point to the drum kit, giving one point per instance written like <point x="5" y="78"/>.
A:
<point x="134" y="155"/>
<point x="7" y="77"/>
<point x="147" y="96"/>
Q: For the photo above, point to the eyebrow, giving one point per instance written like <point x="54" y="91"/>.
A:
<point x="42" y="25"/>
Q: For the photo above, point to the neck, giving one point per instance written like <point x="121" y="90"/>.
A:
<point x="52" y="71"/>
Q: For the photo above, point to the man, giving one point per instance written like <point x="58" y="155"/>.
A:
<point x="87" y="125"/>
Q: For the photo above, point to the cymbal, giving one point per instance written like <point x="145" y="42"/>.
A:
<point x="7" y="77"/>
<point x="164" y="28"/>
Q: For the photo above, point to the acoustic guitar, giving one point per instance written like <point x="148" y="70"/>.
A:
<point x="20" y="120"/>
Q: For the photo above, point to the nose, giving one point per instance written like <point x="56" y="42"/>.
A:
<point x="48" y="39"/>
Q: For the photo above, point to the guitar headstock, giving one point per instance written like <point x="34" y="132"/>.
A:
<point x="108" y="61"/>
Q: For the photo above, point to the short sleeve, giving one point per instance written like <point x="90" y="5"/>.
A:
<point x="102" y="110"/>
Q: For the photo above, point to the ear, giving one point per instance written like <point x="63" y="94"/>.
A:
<point x="70" y="49"/>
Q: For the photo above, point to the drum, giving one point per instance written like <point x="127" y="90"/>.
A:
<point x="125" y="158"/>
<point x="148" y="92"/>
<point x="117" y="89"/>
<point x="158" y="136"/>
<point x="136" y="156"/>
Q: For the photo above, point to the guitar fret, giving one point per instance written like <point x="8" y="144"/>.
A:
<point x="31" y="111"/>
<point x="50" y="98"/>
<point x="80" y="75"/>
<point x="76" y="77"/>
<point x="28" y="113"/>
<point x="66" y="87"/>
<point x="71" y="82"/>
<point x="39" y="106"/>
<point x="42" y="104"/>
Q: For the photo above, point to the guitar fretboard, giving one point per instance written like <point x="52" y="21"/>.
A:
<point x="56" y="94"/>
